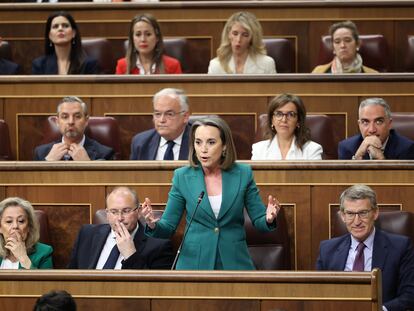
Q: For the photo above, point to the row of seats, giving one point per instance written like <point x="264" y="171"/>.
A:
<point x="106" y="130"/>
<point x="269" y="251"/>
<point x="374" y="52"/>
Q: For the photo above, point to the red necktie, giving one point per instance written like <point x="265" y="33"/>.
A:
<point x="359" y="262"/>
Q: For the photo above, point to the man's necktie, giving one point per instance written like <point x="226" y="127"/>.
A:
<point x="112" y="259"/>
<point x="169" y="154"/>
<point x="359" y="262"/>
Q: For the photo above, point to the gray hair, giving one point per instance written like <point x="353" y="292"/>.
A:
<point x="374" y="101"/>
<point x="33" y="231"/>
<point x="123" y="189"/>
<point x="73" y="99"/>
<point x="182" y="97"/>
<point x="358" y="192"/>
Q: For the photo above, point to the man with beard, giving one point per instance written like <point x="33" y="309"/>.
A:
<point x="72" y="119"/>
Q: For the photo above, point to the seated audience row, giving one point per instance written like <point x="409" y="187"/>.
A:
<point x="126" y="243"/>
<point x="287" y="135"/>
<point x="241" y="51"/>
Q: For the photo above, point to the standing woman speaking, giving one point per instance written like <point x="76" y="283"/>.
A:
<point x="216" y="239"/>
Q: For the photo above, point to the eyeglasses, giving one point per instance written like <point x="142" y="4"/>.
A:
<point x="122" y="212"/>
<point x="168" y="114"/>
<point x="289" y="115"/>
<point x="361" y="214"/>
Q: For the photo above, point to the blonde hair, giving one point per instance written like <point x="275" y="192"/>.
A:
<point x="33" y="232"/>
<point x="252" y="25"/>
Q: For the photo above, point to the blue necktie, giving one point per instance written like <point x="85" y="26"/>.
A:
<point x="112" y="259"/>
<point x="169" y="154"/>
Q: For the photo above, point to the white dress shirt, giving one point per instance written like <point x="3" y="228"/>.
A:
<point x="269" y="150"/>
<point x="109" y="245"/>
<point x="162" y="147"/>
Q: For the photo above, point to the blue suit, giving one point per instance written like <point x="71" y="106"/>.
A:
<point x="212" y="240"/>
<point x="144" y="145"/>
<point x="398" y="147"/>
<point x="8" y="68"/>
<point x="392" y="253"/>
<point x="150" y="253"/>
<point x="47" y="65"/>
<point x="95" y="150"/>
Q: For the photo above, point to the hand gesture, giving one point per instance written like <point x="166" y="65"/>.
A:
<point x="272" y="209"/>
<point x="146" y="211"/>
<point x="57" y="152"/>
<point x="372" y="145"/>
<point x="78" y="153"/>
<point x="124" y="240"/>
<point x="17" y="248"/>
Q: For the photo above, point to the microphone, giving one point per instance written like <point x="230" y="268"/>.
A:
<point x="200" y="198"/>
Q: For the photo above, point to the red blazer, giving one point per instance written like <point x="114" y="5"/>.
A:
<point x="171" y="66"/>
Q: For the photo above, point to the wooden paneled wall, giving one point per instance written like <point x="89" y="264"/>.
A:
<point x="202" y="23"/>
<point x="71" y="193"/>
<point x="27" y="101"/>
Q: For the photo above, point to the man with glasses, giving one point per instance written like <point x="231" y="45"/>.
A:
<point x="366" y="247"/>
<point x="376" y="141"/>
<point x="120" y="244"/>
<point x="168" y="140"/>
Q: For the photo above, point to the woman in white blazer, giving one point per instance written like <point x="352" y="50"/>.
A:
<point x="288" y="138"/>
<point x="242" y="50"/>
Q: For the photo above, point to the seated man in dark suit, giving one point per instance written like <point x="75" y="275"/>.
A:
<point x="169" y="138"/>
<point x="121" y="244"/>
<point x="366" y="248"/>
<point x="72" y="119"/>
<point x="7" y="67"/>
<point x="377" y="140"/>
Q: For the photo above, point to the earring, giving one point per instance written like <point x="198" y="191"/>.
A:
<point x="273" y="128"/>
<point x="357" y="49"/>
<point x="223" y="153"/>
<point x="73" y="41"/>
<point x="50" y="44"/>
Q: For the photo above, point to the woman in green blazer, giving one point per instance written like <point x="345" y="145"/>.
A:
<point x="216" y="238"/>
<point x="19" y="235"/>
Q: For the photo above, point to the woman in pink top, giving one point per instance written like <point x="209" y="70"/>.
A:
<point x="145" y="52"/>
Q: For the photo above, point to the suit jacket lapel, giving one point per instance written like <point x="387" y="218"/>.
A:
<point x="140" y="239"/>
<point x="152" y="147"/>
<point x="341" y="254"/>
<point x="98" y="242"/>
<point x="184" y="144"/>
<point x="90" y="149"/>
<point x="230" y="189"/>
<point x="379" y="251"/>
<point x="196" y="184"/>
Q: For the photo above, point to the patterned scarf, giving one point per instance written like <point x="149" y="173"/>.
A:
<point x="354" y="67"/>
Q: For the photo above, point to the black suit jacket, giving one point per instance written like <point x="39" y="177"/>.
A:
<point x="47" y="65"/>
<point x="392" y="253"/>
<point x="95" y="150"/>
<point x="151" y="253"/>
<point x="8" y="68"/>
<point x="398" y="147"/>
<point x="144" y="145"/>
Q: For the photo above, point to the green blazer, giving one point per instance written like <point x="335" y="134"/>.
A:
<point x="41" y="258"/>
<point x="208" y="236"/>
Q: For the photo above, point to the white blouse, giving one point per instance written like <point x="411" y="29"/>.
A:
<point x="8" y="264"/>
<point x="215" y="203"/>
<point x="261" y="64"/>
<point x="269" y="150"/>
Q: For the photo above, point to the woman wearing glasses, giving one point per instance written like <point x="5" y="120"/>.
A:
<point x="288" y="138"/>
